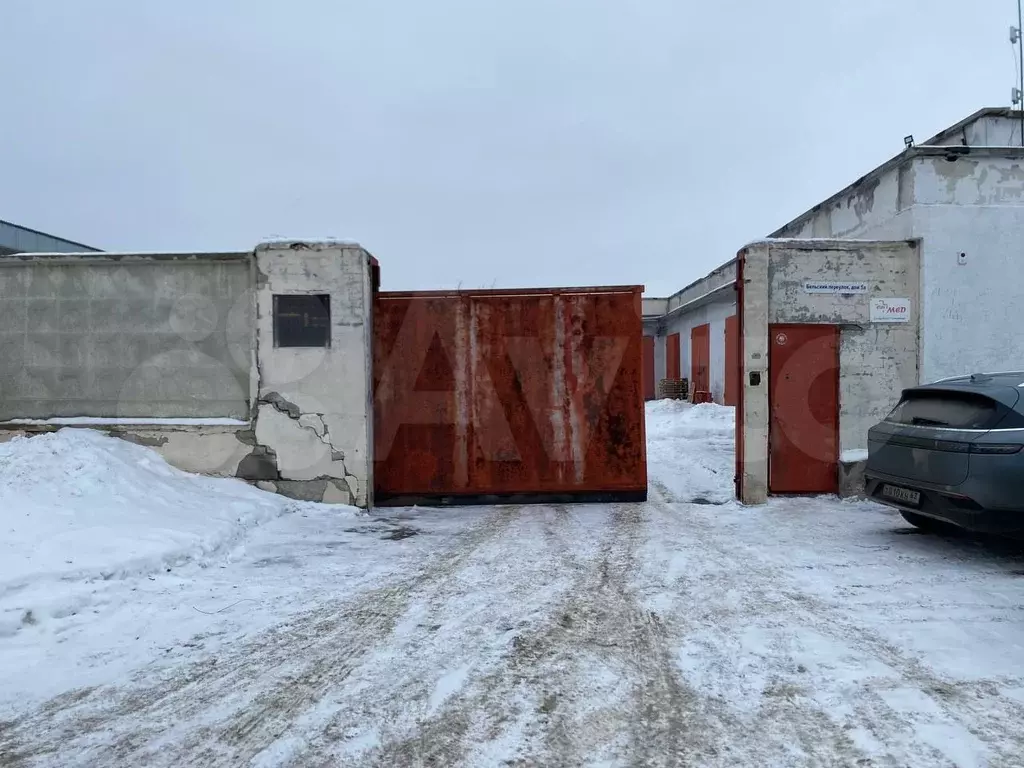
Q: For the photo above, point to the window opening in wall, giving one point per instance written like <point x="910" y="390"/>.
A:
<point x="302" y="321"/>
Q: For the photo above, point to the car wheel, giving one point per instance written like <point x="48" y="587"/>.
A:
<point x="926" y="523"/>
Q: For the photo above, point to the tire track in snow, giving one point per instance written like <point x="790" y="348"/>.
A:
<point x="247" y="697"/>
<point x="526" y="574"/>
<point x="641" y="714"/>
<point x="968" y="705"/>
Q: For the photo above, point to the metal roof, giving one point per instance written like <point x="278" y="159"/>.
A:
<point x="15" y="238"/>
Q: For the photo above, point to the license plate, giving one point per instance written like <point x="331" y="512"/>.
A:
<point x="901" y="494"/>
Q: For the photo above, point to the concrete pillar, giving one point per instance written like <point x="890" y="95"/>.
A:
<point x="754" y="379"/>
<point x="313" y="407"/>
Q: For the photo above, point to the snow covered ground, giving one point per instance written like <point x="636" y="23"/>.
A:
<point x="684" y="631"/>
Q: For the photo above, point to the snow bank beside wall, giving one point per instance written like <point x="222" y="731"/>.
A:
<point x="77" y="503"/>
<point x="78" y="506"/>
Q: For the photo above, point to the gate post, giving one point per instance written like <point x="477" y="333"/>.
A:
<point x="313" y="369"/>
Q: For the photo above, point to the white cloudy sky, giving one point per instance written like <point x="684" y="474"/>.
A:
<point x="471" y="142"/>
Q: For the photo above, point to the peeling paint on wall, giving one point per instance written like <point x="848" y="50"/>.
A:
<point x="875" y="361"/>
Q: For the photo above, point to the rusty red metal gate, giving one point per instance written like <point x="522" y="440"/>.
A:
<point x="672" y="349"/>
<point x="732" y="360"/>
<point x="650" y="391"/>
<point x="700" y="362"/>
<point x="509" y="395"/>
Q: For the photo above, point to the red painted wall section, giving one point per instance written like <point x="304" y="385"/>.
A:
<point x="803" y="430"/>
<point x="732" y="361"/>
<point x="672" y="349"/>
<point x="649" y="388"/>
<point x="700" y="358"/>
<point x="481" y="393"/>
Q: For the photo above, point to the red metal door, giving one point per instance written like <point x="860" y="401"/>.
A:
<point x="803" y="373"/>
<point x="509" y="395"/>
<point x="672" y="370"/>
<point x="732" y="360"/>
<point x="700" y="358"/>
<point x="649" y="389"/>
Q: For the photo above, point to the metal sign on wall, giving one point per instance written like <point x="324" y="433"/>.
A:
<point x="890" y="310"/>
<point x="835" y="286"/>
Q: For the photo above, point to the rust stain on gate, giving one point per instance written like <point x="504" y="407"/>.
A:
<point x="517" y="395"/>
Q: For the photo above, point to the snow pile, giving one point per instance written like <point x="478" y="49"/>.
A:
<point x="77" y="504"/>
<point x="690" y="450"/>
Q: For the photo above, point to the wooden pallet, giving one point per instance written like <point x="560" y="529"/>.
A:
<point x="674" y="389"/>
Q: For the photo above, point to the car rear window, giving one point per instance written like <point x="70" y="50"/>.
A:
<point x="956" y="410"/>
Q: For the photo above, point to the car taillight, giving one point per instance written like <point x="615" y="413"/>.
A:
<point x="1001" y="449"/>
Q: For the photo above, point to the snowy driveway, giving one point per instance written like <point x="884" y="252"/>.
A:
<point x="807" y="632"/>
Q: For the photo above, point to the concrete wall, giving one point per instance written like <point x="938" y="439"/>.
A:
<point x="299" y="421"/>
<point x="970" y="204"/>
<point x="752" y="441"/>
<point x="876" y="360"/>
<point x="161" y="336"/>
<point x="993" y="130"/>
<point x="660" y="356"/>
<point x="872" y="209"/>
<point x="971" y="310"/>
<point x="314" y="404"/>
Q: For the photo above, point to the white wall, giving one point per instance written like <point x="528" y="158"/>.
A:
<point x="971" y="311"/>
<point x="987" y="131"/>
<point x="684" y="322"/>
<point x="975" y="205"/>
<point x="660" y="346"/>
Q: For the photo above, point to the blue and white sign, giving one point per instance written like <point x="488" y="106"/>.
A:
<point x="835" y="286"/>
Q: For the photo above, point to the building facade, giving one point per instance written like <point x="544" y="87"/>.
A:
<point x="958" y="200"/>
<point x="961" y="193"/>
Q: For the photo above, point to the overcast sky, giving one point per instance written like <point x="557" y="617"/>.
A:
<point x="470" y="142"/>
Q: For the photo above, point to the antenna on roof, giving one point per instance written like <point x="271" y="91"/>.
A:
<point x="1017" y="94"/>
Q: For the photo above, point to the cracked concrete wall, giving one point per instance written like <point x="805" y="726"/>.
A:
<point x="313" y="421"/>
<point x="206" y="450"/>
<point x="873" y="209"/>
<point x="305" y="424"/>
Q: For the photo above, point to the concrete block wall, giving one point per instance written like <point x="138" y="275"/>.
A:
<point x="125" y="336"/>
<point x="209" y="388"/>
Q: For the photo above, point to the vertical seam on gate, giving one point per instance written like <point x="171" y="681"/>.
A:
<point x="740" y="420"/>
